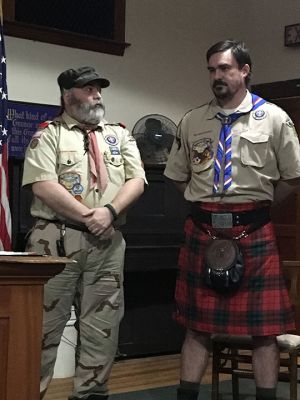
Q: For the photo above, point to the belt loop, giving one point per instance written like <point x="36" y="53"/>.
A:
<point x="62" y="230"/>
<point x="60" y="243"/>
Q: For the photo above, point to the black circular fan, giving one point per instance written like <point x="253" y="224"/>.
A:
<point x="154" y="135"/>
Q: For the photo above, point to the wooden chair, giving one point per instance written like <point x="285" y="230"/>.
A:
<point x="232" y="354"/>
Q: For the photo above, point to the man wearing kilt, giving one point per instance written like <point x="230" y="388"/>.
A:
<point x="233" y="158"/>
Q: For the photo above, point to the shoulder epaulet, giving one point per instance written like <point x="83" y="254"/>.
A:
<point x="43" y="125"/>
<point x="118" y="124"/>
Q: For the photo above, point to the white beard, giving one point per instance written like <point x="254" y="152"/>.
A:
<point x="86" y="113"/>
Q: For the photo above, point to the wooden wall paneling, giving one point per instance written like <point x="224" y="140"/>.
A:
<point x="21" y="307"/>
<point x="24" y="347"/>
<point x="4" y="326"/>
<point x="286" y="94"/>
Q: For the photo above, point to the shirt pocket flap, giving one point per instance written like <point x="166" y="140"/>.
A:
<point x="113" y="159"/>
<point x="255" y="137"/>
<point x="69" y="158"/>
<point x="254" y="148"/>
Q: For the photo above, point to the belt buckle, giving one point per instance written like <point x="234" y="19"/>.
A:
<point x="223" y="220"/>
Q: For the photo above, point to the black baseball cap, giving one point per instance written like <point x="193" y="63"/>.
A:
<point x="80" y="77"/>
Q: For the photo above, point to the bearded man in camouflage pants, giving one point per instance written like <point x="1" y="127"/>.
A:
<point x="83" y="173"/>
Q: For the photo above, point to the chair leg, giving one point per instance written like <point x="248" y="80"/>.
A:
<point x="235" y="378"/>
<point x="293" y="374"/>
<point x="216" y="361"/>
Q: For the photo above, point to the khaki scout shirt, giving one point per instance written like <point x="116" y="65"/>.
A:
<point x="56" y="153"/>
<point x="265" y="148"/>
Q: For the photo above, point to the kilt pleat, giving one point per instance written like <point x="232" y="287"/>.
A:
<point x="260" y="307"/>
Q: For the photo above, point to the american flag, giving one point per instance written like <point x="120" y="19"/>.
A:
<point x="5" y="217"/>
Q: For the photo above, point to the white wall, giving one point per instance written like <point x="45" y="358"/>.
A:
<point x="261" y="24"/>
<point x="164" y="69"/>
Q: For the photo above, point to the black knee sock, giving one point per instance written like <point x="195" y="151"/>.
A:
<point x="188" y="390"/>
<point x="265" y="393"/>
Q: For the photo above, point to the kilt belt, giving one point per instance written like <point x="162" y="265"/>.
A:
<point x="256" y="218"/>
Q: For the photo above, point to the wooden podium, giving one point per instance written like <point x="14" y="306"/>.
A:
<point x="21" y="310"/>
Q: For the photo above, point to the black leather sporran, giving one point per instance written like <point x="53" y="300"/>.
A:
<point x="223" y="265"/>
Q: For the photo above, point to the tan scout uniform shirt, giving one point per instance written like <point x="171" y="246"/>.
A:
<point x="265" y="148"/>
<point x="57" y="153"/>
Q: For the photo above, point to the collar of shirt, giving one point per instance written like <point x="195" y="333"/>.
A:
<point x="244" y="107"/>
<point x="71" y="122"/>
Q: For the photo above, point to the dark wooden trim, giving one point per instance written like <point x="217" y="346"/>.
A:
<point x="9" y="9"/>
<point x="115" y="46"/>
<point x="288" y="231"/>
<point x="297" y="235"/>
<point x="119" y="22"/>
<point x="277" y="90"/>
<point x="63" y="38"/>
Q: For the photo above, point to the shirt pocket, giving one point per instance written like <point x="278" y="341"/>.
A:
<point x="254" y="148"/>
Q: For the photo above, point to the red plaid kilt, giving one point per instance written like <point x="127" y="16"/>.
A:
<point x="260" y="307"/>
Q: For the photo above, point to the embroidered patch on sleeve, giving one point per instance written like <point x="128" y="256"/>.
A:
<point x="290" y="123"/>
<point x="34" y="142"/>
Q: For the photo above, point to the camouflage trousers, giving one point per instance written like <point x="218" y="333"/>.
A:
<point x="94" y="285"/>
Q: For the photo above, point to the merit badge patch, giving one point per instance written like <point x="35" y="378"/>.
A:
<point x="114" y="151"/>
<point x="78" y="198"/>
<point x="110" y="139"/>
<point x="202" y="151"/>
<point x="69" y="180"/>
<point x="259" y="114"/>
<point x="77" y="189"/>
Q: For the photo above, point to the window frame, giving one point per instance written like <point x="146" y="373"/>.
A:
<point x="39" y="33"/>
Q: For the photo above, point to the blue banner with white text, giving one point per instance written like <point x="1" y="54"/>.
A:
<point x="23" y="121"/>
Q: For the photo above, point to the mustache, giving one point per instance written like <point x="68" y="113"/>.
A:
<point x="98" y="105"/>
<point x="219" y="82"/>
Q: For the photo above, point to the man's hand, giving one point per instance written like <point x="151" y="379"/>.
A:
<point x="98" y="220"/>
<point x="108" y="234"/>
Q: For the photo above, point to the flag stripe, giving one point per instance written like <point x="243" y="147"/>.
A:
<point x="5" y="216"/>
